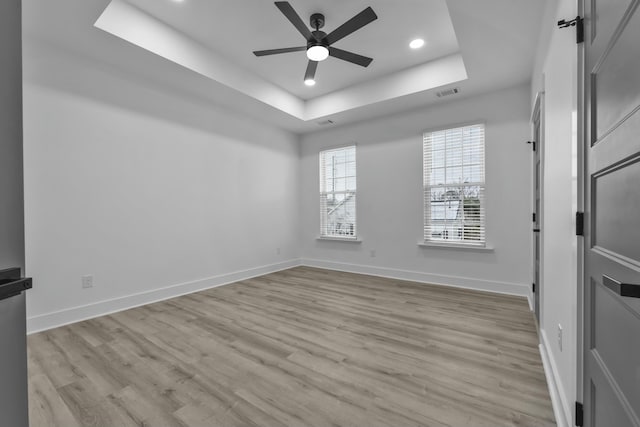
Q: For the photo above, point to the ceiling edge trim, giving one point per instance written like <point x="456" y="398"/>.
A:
<point x="421" y="78"/>
<point x="135" y="26"/>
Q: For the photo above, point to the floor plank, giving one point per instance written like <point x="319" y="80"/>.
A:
<point x="301" y="347"/>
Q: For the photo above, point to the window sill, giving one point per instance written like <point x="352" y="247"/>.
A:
<point x="340" y="239"/>
<point x="456" y="246"/>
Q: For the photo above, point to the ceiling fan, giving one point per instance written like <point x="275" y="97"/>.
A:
<point x="319" y="44"/>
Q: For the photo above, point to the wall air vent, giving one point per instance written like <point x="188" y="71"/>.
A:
<point x="448" y="92"/>
<point x="326" y="122"/>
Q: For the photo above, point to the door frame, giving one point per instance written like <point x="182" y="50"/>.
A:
<point x="581" y="149"/>
<point x="538" y="115"/>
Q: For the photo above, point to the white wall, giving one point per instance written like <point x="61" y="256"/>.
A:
<point x="547" y="29"/>
<point x="558" y="78"/>
<point x="389" y="199"/>
<point x="144" y="189"/>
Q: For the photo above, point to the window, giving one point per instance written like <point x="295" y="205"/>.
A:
<point x="454" y="210"/>
<point x="338" y="193"/>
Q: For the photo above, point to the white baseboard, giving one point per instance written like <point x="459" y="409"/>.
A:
<point x="561" y="407"/>
<point x="75" y="314"/>
<point x="508" y="288"/>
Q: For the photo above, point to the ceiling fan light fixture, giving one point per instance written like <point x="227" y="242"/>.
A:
<point x="319" y="44"/>
<point x="317" y="53"/>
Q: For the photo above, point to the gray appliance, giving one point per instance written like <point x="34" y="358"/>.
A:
<point x="14" y="408"/>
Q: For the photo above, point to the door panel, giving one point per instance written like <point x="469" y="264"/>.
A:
<point x="606" y="14"/>
<point x="615" y="211"/>
<point x="605" y="407"/>
<point x="612" y="148"/>
<point x="614" y="323"/>
<point x="617" y="81"/>
<point x="612" y="195"/>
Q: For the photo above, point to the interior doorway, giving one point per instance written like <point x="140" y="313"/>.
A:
<point x="537" y="120"/>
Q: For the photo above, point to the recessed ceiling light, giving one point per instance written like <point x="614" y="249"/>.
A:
<point x="178" y="1"/>
<point x="310" y="82"/>
<point x="416" y="44"/>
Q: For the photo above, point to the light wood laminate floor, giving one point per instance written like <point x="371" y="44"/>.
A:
<point x="301" y="347"/>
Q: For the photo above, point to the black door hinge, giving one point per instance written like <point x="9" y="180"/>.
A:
<point x="533" y="288"/>
<point x="579" y="223"/>
<point x="533" y="144"/>
<point x="533" y="217"/>
<point x="577" y="22"/>
<point x="579" y="414"/>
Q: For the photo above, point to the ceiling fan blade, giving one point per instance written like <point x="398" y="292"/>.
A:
<point x="288" y="11"/>
<point x="354" y="24"/>
<point x="350" y="56"/>
<point x="277" y="51"/>
<point x="310" y="74"/>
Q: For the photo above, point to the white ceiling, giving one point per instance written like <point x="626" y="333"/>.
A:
<point x="496" y="39"/>
<point x="234" y="29"/>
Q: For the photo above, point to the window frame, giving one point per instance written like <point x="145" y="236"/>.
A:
<point x="323" y="219"/>
<point x="480" y="244"/>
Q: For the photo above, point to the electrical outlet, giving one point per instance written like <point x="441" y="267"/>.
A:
<point x="372" y="253"/>
<point x="560" y="336"/>
<point x="87" y="281"/>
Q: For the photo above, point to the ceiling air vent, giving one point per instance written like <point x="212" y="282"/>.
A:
<point x="448" y="92"/>
<point x="326" y="122"/>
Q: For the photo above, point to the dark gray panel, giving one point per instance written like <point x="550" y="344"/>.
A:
<point x="623" y="143"/>
<point x="618" y="341"/>
<point x="606" y="409"/>
<point x="13" y="362"/>
<point x="616" y="210"/>
<point x="618" y="81"/>
<point x="612" y="130"/>
<point x="11" y="186"/>
<point x="606" y="14"/>
<point x="13" y="354"/>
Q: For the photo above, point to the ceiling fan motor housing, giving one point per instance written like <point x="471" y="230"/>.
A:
<point x="317" y="21"/>
<point x="318" y="39"/>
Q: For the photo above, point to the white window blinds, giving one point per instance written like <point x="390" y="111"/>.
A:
<point x="338" y="193"/>
<point x="454" y="207"/>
